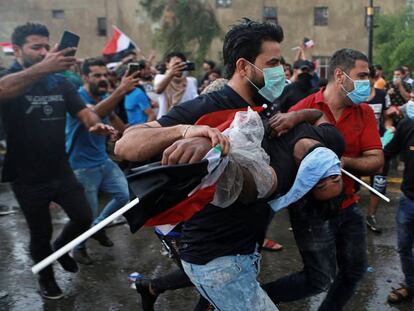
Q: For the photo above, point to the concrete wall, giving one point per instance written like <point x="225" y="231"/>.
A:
<point x="345" y="26"/>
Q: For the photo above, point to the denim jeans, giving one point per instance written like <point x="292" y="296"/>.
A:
<point x="323" y="245"/>
<point x="230" y="283"/>
<point x="108" y="178"/>
<point x="405" y="227"/>
<point x="316" y="243"/>
<point x="349" y="229"/>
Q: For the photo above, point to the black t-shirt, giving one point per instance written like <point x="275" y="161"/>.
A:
<point x="403" y="142"/>
<point x="280" y="150"/>
<point x="35" y="129"/>
<point x="379" y="103"/>
<point x="296" y="91"/>
<point x="214" y="232"/>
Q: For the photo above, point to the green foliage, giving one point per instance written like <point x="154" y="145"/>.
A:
<point x="394" y="40"/>
<point x="186" y="26"/>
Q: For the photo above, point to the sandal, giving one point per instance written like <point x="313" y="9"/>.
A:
<point x="272" y="246"/>
<point x="401" y="294"/>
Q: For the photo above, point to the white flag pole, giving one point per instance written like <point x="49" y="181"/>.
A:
<point x="366" y="185"/>
<point x="87" y="234"/>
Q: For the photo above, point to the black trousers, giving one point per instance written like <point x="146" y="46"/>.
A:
<point x="34" y="200"/>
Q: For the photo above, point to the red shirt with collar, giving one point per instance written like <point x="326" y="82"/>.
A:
<point x="357" y="125"/>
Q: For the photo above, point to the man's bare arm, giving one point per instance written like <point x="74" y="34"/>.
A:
<point x="15" y="84"/>
<point x="369" y="163"/>
<point x="144" y="141"/>
<point x="281" y="123"/>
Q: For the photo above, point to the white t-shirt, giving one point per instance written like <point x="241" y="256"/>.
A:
<point x="189" y="94"/>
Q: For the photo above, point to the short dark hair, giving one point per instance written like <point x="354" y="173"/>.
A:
<point x="344" y="59"/>
<point x="378" y="67"/>
<point x="175" y="54"/>
<point x="245" y="39"/>
<point x="89" y="62"/>
<point x="21" y="32"/>
<point x="400" y="69"/>
<point x="210" y="63"/>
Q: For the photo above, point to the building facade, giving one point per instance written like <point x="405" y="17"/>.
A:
<point x="331" y="24"/>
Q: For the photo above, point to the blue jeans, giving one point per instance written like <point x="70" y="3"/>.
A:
<point x="405" y="227"/>
<point x="108" y="178"/>
<point x="230" y="283"/>
<point x="323" y="245"/>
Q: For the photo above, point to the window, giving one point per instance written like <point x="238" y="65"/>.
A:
<point x="321" y="16"/>
<point x="223" y="3"/>
<point x="102" y="26"/>
<point x="270" y="14"/>
<point x="377" y="10"/>
<point x="322" y="64"/>
<point x="58" y="14"/>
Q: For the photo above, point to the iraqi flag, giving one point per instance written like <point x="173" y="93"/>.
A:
<point x="7" y="48"/>
<point x="118" y="46"/>
<point x="166" y="192"/>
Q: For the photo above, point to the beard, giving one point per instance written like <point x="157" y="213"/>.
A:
<point x="30" y="61"/>
<point x="256" y="97"/>
<point x="96" y="88"/>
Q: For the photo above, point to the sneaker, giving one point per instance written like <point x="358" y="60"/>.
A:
<point x="81" y="256"/>
<point x="66" y="261"/>
<point x="372" y="224"/>
<point x="102" y="238"/>
<point x="49" y="289"/>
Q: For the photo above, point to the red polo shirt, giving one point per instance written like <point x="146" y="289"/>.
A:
<point x="358" y="127"/>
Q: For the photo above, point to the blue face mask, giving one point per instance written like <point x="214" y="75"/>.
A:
<point x="361" y="91"/>
<point x="275" y="81"/>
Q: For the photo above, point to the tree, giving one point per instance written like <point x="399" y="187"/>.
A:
<point x="187" y="26"/>
<point x="394" y="40"/>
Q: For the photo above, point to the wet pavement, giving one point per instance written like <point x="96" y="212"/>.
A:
<point x="104" y="285"/>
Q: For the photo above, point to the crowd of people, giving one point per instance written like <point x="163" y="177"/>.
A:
<point x="75" y="128"/>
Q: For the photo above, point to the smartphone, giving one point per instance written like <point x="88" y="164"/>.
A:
<point x="133" y="68"/>
<point x="69" y="40"/>
<point x="190" y="66"/>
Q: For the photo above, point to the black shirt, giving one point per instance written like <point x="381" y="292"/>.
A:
<point x="379" y="103"/>
<point x="35" y="129"/>
<point x="403" y="142"/>
<point x="214" y="231"/>
<point x="296" y="91"/>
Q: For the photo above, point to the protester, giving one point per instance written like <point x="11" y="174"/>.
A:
<point x="403" y="142"/>
<point x="380" y="82"/>
<point x="208" y="67"/>
<point x="301" y="88"/>
<point x="379" y="101"/>
<point x="137" y="103"/>
<point x="87" y="152"/>
<point x="239" y="228"/>
<point x="398" y="89"/>
<point x="341" y="240"/>
<point x="174" y="87"/>
<point x="34" y="101"/>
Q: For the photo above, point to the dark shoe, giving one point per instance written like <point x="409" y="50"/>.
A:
<point x="372" y="224"/>
<point x="147" y="298"/>
<point x="66" y="261"/>
<point x="102" y="238"/>
<point x="49" y="289"/>
<point x="81" y="256"/>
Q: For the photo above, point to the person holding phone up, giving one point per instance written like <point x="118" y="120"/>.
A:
<point x="175" y="87"/>
<point x="34" y="100"/>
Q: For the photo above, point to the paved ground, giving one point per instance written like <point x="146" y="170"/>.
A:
<point x="104" y="285"/>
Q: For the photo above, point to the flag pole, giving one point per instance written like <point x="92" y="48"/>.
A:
<point x="366" y="185"/>
<point x="84" y="236"/>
